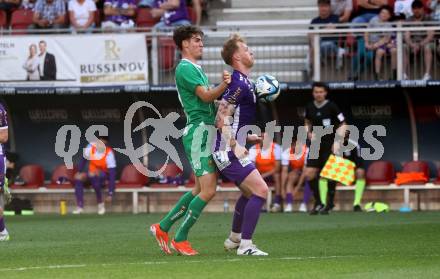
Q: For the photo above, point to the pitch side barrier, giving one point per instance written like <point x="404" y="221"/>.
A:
<point x="143" y="60"/>
<point x="135" y="192"/>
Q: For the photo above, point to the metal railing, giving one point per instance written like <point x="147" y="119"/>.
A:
<point x="299" y="54"/>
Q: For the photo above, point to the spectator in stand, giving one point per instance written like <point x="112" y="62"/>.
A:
<point x="403" y="7"/>
<point x="119" y="14"/>
<point x="9" y="5"/>
<point x="379" y="44"/>
<point x="368" y="9"/>
<point x="82" y="15"/>
<point x="146" y="4"/>
<point x="328" y="44"/>
<point x="417" y="42"/>
<point x="27" y="4"/>
<point x="49" y="14"/>
<point x="434" y="6"/>
<point x="343" y="9"/>
<point x="171" y="12"/>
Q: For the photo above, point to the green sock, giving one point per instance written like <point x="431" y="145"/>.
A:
<point x="177" y="212"/>
<point x="194" y="210"/>
<point x="358" y="191"/>
<point x="323" y="189"/>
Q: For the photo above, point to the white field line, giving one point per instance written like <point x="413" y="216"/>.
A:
<point x="243" y="258"/>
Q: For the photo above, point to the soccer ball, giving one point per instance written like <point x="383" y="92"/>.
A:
<point x="267" y="88"/>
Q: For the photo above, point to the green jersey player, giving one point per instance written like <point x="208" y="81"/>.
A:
<point x="197" y="100"/>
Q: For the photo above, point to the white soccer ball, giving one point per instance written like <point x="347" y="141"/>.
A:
<point x="267" y="88"/>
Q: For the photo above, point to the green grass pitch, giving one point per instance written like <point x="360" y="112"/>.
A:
<point x="342" y="245"/>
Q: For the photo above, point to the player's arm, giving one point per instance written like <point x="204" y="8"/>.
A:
<point x="4" y="134"/>
<point x="170" y="5"/>
<point x="308" y="126"/>
<point x="211" y="94"/>
<point x="223" y="121"/>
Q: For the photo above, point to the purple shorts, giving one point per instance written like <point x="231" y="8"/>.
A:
<point x="230" y="167"/>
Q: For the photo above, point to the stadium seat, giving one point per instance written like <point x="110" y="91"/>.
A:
<point x="380" y="173"/>
<point x="132" y="178"/>
<point x="32" y="176"/>
<point x="3" y="19"/>
<point x="437" y="181"/>
<point x="98" y="18"/>
<point x="62" y="178"/>
<point x="167" y="51"/>
<point x="171" y="170"/>
<point x="20" y="20"/>
<point x="192" y="15"/>
<point x="417" y="166"/>
<point x="144" y="18"/>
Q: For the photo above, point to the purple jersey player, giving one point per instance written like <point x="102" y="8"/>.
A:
<point x="4" y="235"/>
<point x="239" y="103"/>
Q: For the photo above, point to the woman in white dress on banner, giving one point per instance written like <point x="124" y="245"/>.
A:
<point x="32" y="64"/>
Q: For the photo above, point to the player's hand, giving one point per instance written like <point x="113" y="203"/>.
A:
<point x="240" y="151"/>
<point x="336" y="147"/>
<point x="226" y="77"/>
<point x="254" y="138"/>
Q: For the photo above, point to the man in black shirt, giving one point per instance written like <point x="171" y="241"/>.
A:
<point x="321" y="114"/>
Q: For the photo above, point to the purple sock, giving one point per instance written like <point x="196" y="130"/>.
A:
<point x="251" y="215"/>
<point x="79" y="193"/>
<point x="277" y="199"/>
<point x="96" y="183"/>
<point x="307" y="192"/>
<point x="2" y="224"/>
<point x="238" y="214"/>
<point x="289" y="198"/>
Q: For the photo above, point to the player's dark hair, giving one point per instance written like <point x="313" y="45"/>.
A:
<point x="184" y="33"/>
<point x="321" y="84"/>
<point x="324" y="2"/>
<point x="417" y="4"/>
<point x="230" y="47"/>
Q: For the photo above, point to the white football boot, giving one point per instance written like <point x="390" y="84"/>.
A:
<point x="78" y="211"/>
<point x="4" y="235"/>
<point x="247" y="248"/>
<point x="101" y="209"/>
<point x="230" y="245"/>
<point x="288" y="208"/>
<point x="303" y="207"/>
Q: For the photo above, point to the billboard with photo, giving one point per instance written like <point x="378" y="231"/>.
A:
<point x="40" y="63"/>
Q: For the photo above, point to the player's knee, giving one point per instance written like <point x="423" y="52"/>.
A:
<point x="1" y="212"/>
<point x="262" y="191"/>
<point x="208" y="194"/>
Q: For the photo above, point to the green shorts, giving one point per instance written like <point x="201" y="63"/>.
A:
<point x="197" y="142"/>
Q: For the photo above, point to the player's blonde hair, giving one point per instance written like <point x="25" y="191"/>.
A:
<point x="230" y="47"/>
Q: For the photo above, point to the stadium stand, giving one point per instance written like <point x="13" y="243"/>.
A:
<point x="20" y="20"/>
<point x="62" y="178"/>
<point x="380" y="173"/>
<point x="3" y="19"/>
<point x="131" y="178"/>
<point x="32" y="176"/>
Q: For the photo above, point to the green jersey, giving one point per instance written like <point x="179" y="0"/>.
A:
<point x="188" y="77"/>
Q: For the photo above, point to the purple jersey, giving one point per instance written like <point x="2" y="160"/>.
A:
<point x="3" y="124"/>
<point x="240" y="93"/>
<point x="119" y="4"/>
<point x="171" y="16"/>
